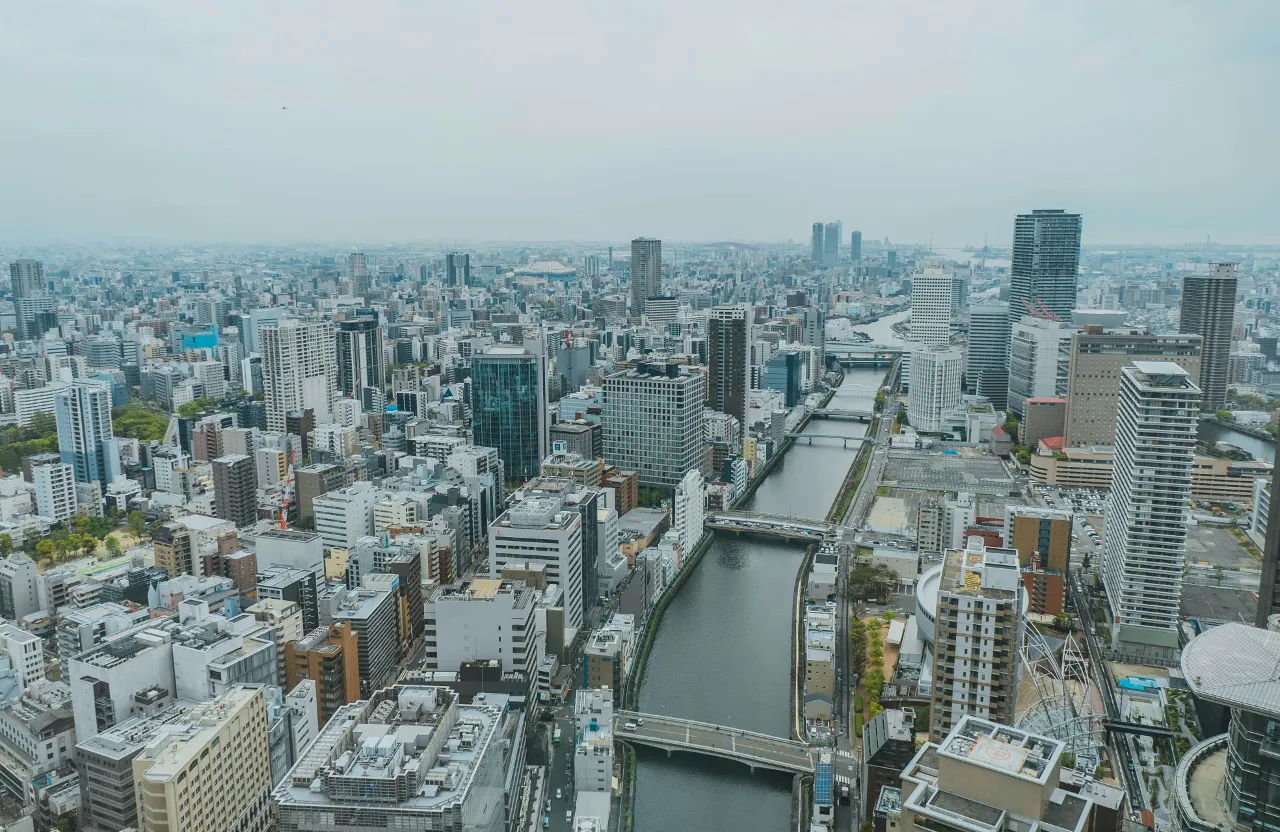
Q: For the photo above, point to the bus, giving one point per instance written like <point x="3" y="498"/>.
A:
<point x="555" y="738"/>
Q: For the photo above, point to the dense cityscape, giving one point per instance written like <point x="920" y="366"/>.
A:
<point x="847" y="535"/>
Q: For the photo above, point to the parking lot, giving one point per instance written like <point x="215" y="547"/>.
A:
<point x="1219" y="603"/>
<point x="929" y="471"/>
<point x="1215" y="546"/>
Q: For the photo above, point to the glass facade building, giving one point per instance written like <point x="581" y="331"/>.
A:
<point x="508" y="406"/>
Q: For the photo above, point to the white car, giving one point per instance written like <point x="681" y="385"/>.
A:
<point x="558" y="794"/>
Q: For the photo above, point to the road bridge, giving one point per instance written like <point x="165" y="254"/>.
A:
<point x="747" y="747"/>
<point x="789" y="528"/>
<point x="812" y="436"/>
<point x="838" y="413"/>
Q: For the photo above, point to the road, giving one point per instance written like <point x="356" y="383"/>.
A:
<point x="561" y="774"/>
<point x="866" y="491"/>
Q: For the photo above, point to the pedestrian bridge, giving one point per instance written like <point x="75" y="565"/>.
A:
<point x="746" y="747"/>
<point x="790" y="528"/>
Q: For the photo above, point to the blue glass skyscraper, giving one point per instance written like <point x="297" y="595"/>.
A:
<point x="509" y="407"/>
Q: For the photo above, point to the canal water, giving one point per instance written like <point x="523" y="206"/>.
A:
<point x="722" y="652"/>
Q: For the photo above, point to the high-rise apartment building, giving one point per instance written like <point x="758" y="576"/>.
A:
<point x="817" y="244"/>
<point x="457" y="266"/>
<point x="987" y="372"/>
<point x="978" y="637"/>
<point x="1147" y="512"/>
<point x="935" y="386"/>
<point x="344" y="516"/>
<point x="1098" y="358"/>
<point x="19" y="592"/>
<point x="931" y="305"/>
<point x="509" y="407"/>
<point x="85" y="437"/>
<point x="235" y="489"/>
<point x="1046" y="263"/>
<point x="357" y="266"/>
<point x="212" y="772"/>
<point x="729" y="360"/>
<point x="374" y="619"/>
<point x="1208" y="310"/>
<point x="315" y="481"/>
<point x="831" y="243"/>
<point x="855" y="247"/>
<point x="646" y="272"/>
<point x="653" y="422"/>
<point x="27" y="278"/>
<point x="55" y="486"/>
<point x="1039" y="356"/>
<point x="361" y="360"/>
<point x="299" y="370"/>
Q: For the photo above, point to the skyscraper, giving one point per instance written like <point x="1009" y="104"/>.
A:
<point x="816" y="247"/>
<point x="85" y="437"/>
<point x="729" y="358"/>
<point x="987" y="372"/>
<point x="457" y="269"/>
<point x="1046" y="263"/>
<point x="831" y="243"/>
<point x="361" y="360"/>
<point x="653" y="422"/>
<point x="1208" y="310"/>
<point x="855" y="246"/>
<point x="931" y="305"/>
<point x="646" y="272"/>
<point x="1039" y="357"/>
<point x="1147" y="512"/>
<point x="299" y="370"/>
<point x="509" y="407"/>
<point x="356" y="266"/>
<point x="935" y="386"/>
<point x="235" y="489"/>
<point x="27" y="277"/>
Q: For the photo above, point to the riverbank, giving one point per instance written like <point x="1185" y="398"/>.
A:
<point x="1257" y="433"/>
<point x="797" y="647"/>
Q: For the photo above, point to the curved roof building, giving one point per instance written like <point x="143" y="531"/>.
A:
<point x="547" y="269"/>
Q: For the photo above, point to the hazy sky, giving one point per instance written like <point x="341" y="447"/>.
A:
<point x="688" y="120"/>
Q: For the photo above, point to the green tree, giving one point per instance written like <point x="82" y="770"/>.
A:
<point x="901" y="418"/>
<point x="1086" y="560"/>
<point x="889" y="615"/>
<point x="1011" y="427"/>
<point x="113" y="546"/>
<point x="137" y="523"/>
<point x="6" y="545"/>
<point x="44" y="548"/>
<point x="1224" y="415"/>
<point x="87" y="543"/>
<point x="1062" y="622"/>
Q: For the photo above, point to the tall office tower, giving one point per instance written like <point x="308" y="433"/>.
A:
<point x="931" y="305"/>
<point x="729" y="354"/>
<point x="979" y="629"/>
<point x="27" y="277"/>
<point x="1208" y="310"/>
<point x="35" y="316"/>
<point x="210" y="772"/>
<point x="361" y="360"/>
<point x="357" y="269"/>
<point x="509" y="407"/>
<point x="817" y="245"/>
<point x="235" y="489"/>
<point x="299" y="370"/>
<point x="831" y="244"/>
<point x="855" y="247"/>
<point x="646" y="272"/>
<point x="1147" y="512"/>
<point x="814" y="334"/>
<point x="987" y="372"/>
<point x="935" y="387"/>
<point x="542" y="530"/>
<point x="959" y="291"/>
<point x="1039" y="358"/>
<point x="55" y="490"/>
<point x="1046" y="263"/>
<point x="457" y="269"/>
<point x="85" y="437"/>
<point x="1093" y="376"/>
<point x="653" y="422"/>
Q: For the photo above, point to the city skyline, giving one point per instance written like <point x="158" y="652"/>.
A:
<point x="201" y="133"/>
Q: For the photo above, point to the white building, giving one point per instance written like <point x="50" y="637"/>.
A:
<point x="299" y="370"/>
<point x="931" y="305"/>
<point x="690" y="509"/>
<point x="342" y="517"/>
<point x="1039" y="360"/>
<point x="593" y="747"/>
<point x="1147" y="510"/>
<point x="26" y="655"/>
<point x="653" y="422"/>
<point x="935" y="385"/>
<point x="55" y="486"/>
<point x="958" y="514"/>
<point x="335" y="439"/>
<point x="481" y="620"/>
<point x="271" y="466"/>
<point x="293" y="548"/>
<point x="83" y="629"/>
<point x="19" y="594"/>
<point x="1261" y="507"/>
<point x="27" y="403"/>
<point x="540" y="529"/>
<point x="165" y="459"/>
<point x="394" y="510"/>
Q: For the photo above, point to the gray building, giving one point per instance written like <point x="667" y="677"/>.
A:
<point x="375" y="621"/>
<point x="653" y="422"/>
<point x="646" y="272"/>
<point x="729" y="360"/>
<point x="235" y="489"/>
<point x="987" y="354"/>
<point x="1046" y="263"/>
<point x="1208" y="310"/>
<point x="509" y="407"/>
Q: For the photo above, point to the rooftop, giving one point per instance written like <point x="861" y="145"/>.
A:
<point x="993" y="746"/>
<point x="1237" y="666"/>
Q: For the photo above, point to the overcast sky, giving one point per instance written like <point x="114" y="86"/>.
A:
<point x="688" y="120"/>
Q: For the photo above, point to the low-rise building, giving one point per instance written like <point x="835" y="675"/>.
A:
<point x="606" y="659"/>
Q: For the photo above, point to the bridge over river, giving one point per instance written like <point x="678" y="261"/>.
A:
<point x="747" y="747"/>
<point x="788" y="528"/>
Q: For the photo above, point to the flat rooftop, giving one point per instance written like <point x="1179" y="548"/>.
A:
<point x="999" y="748"/>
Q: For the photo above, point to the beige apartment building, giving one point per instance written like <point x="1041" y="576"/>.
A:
<point x="1213" y="479"/>
<point x="212" y="773"/>
<point x="1093" y="379"/>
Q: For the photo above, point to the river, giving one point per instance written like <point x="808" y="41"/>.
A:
<point x="722" y="651"/>
<point x="1260" y="448"/>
